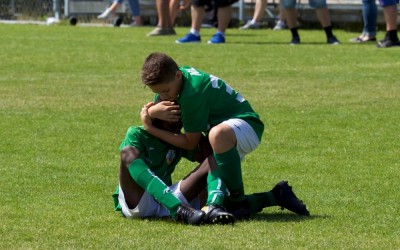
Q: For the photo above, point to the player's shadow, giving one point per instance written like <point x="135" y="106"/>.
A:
<point x="285" y="217"/>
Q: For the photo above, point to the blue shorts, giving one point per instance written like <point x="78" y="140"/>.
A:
<point x="385" y="3"/>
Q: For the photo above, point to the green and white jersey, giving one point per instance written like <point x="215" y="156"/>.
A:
<point x="206" y="101"/>
<point x="159" y="156"/>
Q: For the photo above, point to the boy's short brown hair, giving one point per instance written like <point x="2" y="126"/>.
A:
<point x="158" y="68"/>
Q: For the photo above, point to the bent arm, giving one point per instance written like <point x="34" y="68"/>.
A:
<point x="188" y="141"/>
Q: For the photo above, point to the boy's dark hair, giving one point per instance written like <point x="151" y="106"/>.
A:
<point x="174" y="127"/>
<point x="158" y="68"/>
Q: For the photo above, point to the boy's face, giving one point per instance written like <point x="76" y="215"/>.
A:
<point x="169" y="91"/>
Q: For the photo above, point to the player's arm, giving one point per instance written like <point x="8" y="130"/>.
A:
<point x="188" y="141"/>
<point x="166" y="111"/>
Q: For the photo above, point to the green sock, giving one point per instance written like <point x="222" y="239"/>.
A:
<point x="216" y="189"/>
<point x="258" y="201"/>
<point x="230" y="170"/>
<point x="153" y="185"/>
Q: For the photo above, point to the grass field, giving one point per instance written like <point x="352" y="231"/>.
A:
<point x="332" y="115"/>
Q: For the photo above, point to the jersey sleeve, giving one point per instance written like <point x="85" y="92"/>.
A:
<point x="132" y="138"/>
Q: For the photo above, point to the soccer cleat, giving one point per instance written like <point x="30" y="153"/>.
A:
<point x="295" y="40"/>
<point x="250" y="25"/>
<point x="280" y="25"/>
<point x="189" y="215"/>
<point x="287" y="199"/>
<point x="241" y="209"/>
<point x="218" y="215"/>
<point x="217" y="39"/>
<point x="189" y="38"/>
<point x="332" y="40"/>
<point x="158" y="31"/>
<point x="387" y="43"/>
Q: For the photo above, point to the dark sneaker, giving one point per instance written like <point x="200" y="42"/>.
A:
<point x="332" y="40"/>
<point x="387" y="43"/>
<point x="287" y="199"/>
<point x="218" y="215"/>
<point x="189" y="215"/>
<point x="295" y="40"/>
<point x="241" y="210"/>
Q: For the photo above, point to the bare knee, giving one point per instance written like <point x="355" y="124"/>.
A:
<point x="222" y="138"/>
<point x="128" y="155"/>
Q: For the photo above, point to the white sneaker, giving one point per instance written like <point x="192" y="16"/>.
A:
<point x="280" y="25"/>
<point x="107" y="14"/>
<point x="250" y="25"/>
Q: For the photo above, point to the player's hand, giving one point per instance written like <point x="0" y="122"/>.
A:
<point x="145" y="117"/>
<point x="166" y="111"/>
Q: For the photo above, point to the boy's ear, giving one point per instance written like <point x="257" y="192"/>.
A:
<point x="178" y="74"/>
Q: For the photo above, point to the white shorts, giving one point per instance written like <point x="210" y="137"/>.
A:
<point x="149" y="207"/>
<point x="247" y="139"/>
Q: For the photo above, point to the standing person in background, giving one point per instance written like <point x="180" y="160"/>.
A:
<point x="164" y="26"/>
<point x="109" y="13"/>
<point x="369" y="14"/>
<point x="290" y="13"/>
<point x="390" y="13"/>
<point x="259" y="9"/>
<point x="198" y="10"/>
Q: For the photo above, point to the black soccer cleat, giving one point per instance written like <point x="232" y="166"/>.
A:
<point x="240" y="209"/>
<point x="218" y="215"/>
<point x="287" y="199"/>
<point x="189" y="215"/>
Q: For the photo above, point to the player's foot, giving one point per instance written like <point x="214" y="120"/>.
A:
<point x="189" y="38"/>
<point x="250" y="25"/>
<point x="295" y="40"/>
<point x="217" y="39"/>
<point x="332" y="40"/>
<point x="158" y="31"/>
<point x="280" y="25"/>
<point x="218" y="215"/>
<point x="240" y="209"/>
<point x="107" y="14"/>
<point x="387" y="43"/>
<point x="287" y="199"/>
<point x="189" y="215"/>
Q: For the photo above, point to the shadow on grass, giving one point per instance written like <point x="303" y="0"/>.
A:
<point x="286" y="217"/>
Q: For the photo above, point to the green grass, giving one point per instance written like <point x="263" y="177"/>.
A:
<point x="332" y="115"/>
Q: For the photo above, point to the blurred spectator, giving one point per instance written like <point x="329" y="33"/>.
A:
<point x="164" y="26"/>
<point x="323" y="16"/>
<point x="109" y="13"/>
<point x="390" y="13"/>
<point x="224" y="12"/>
<point x="369" y="14"/>
<point x="259" y="10"/>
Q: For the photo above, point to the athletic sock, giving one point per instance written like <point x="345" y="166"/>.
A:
<point x="258" y="201"/>
<point x="153" y="185"/>
<point x="328" y="31"/>
<point x="216" y="189"/>
<point x="229" y="168"/>
<point x="295" y="32"/>
<point x="392" y="35"/>
<point x="195" y="32"/>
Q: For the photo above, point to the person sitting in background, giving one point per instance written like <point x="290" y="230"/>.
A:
<point x="369" y="15"/>
<point x="109" y="13"/>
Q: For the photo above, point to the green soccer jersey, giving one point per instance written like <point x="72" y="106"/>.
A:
<point x="159" y="156"/>
<point x="206" y="101"/>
